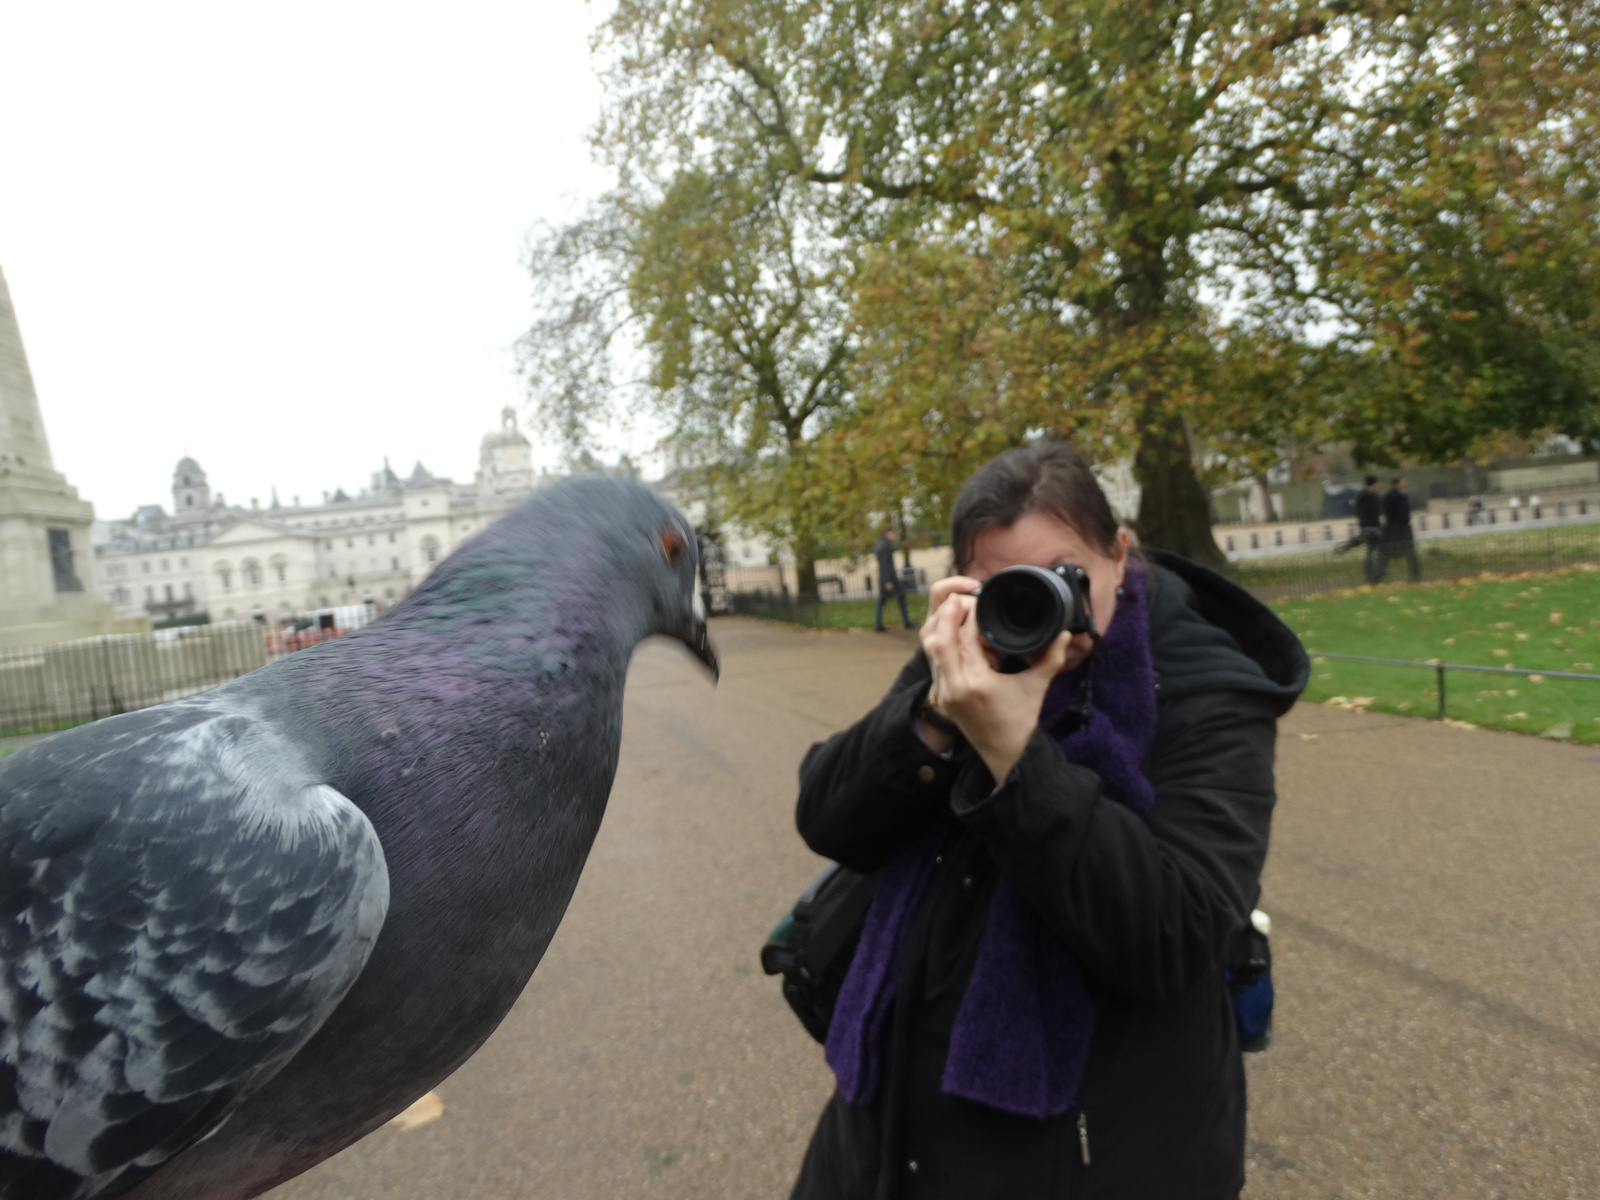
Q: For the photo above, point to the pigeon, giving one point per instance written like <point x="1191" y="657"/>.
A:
<point x="242" y="930"/>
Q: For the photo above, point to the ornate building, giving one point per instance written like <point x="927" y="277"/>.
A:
<point x="285" y="559"/>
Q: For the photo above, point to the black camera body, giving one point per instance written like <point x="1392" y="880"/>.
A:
<point x="1022" y="610"/>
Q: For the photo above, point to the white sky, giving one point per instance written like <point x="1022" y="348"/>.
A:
<point x="282" y="238"/>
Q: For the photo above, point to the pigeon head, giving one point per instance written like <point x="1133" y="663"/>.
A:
<point x="589" y="558"/>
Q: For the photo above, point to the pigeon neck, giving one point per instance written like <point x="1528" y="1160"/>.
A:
<point x="533" y="631"/>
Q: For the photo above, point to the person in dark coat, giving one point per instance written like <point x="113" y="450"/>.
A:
<point x="1037" y="1004"/>
<point x="1398" y="541"/>
<point x="888" y="579"/>
<point x="1369" y="516"/>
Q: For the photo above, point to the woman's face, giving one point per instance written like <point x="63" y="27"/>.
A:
<point x="1040" y="540"/>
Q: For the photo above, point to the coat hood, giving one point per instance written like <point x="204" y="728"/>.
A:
<point x="1209" y="634"/>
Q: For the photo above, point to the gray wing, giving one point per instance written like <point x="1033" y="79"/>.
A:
<point x="181" y="906"/>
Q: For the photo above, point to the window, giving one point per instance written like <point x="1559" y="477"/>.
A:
<point x="430" y="549"/>
<point x="188" y="591"/>
<point x="280" y="567"/>
<point x="119" y="595"/>
<point x="183" y="564"/>
<point x="146" y="566"/>
<point x="250" y="572"/>
<point x="166" y="564"/>
<point x="169" y="593"/>
<point x="328" y="545"/>
<point x="225" y="575"/>
<point x="391" y="539"/>
<point x="150" y="595"/>
<point x="394" y="564"/>
<point x="371" y="541"/>
<point x="349" y="542"/>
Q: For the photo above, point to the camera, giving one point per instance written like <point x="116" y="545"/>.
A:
<point x="1021" y="610"/>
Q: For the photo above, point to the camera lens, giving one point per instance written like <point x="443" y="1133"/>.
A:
<point x="1022" y="609"/>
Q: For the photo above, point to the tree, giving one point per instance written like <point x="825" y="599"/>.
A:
<point x="728" y="292"/>
<point x="1154" y="187"/>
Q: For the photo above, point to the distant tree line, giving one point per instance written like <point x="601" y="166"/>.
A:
<point x="854" y="249"/>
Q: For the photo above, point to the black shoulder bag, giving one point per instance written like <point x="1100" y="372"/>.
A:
<point x="813" y="945"/>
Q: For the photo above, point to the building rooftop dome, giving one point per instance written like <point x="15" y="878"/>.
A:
<point x="508" y="434"/>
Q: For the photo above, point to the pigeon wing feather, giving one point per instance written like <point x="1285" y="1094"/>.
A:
<point x="182" y="904"/>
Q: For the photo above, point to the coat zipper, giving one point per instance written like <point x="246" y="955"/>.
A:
<point x="1083" y="1136"/>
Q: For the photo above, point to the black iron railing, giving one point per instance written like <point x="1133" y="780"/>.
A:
<point x="1439" y="668"/>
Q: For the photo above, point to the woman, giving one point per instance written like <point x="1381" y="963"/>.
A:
<point x="1037" y="1005"/>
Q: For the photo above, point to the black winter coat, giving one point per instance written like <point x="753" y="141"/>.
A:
<point x="1369" y="509"/>
<point x="1396" y="515"/>
<point x="1149" y="905"/>
<point x="888" y="576"/>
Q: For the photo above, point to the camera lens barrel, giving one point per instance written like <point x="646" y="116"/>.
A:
<point x="1021" y="610"/>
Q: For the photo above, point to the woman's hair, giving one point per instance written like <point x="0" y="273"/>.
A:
<point x="1046" y="477"/>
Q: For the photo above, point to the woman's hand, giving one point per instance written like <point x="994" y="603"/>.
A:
<point x="997" y="713"/>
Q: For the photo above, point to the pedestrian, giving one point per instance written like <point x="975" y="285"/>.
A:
<point x="1037" y="1006"/>
<point x="1369" y="519"/>
<point x="1474" y="510"/>
<point x="888" y="578"/>
<point x="1398" y="541"/>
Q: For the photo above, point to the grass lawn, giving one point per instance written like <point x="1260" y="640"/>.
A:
<point x="1543" y="621"/>
<point x="845" y="614"/>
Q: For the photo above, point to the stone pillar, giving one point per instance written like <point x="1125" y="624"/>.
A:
<point x="48" y="589"/>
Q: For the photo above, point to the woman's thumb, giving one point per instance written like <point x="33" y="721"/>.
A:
<point x="1053" y="659"/>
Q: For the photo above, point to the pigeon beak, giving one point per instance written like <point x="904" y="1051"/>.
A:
<point x="698" y="639"/>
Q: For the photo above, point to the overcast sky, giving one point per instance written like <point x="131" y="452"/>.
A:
<point x="282" y="238"/>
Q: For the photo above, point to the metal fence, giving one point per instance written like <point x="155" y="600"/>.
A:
<point x="50" y="687"/>
<point x="1439" y="668"/>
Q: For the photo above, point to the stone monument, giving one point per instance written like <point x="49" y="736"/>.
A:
<point x="47" y="591"/>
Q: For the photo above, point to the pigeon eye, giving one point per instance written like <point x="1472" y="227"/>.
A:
<point x="673" y="547"/>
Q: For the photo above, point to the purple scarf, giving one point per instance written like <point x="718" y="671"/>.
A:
<point x="1021" y="1036"/>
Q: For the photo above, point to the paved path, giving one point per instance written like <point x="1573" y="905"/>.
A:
<point x="1436" y="894"/>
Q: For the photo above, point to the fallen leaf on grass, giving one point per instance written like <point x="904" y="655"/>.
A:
<point x="424" y="1112"/>
<point x="1499" y="653"/>
<point x="1455" y="724"/>
<point x="1517" y="716"/>
<point x="1311" y="737"/>
<point x="1555" y="618"/>
<point x="1350" y="703"/>
<point x="1449" y="641"/>
<point x="1561" y="730"/>
<point x="1535" y="678"/>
